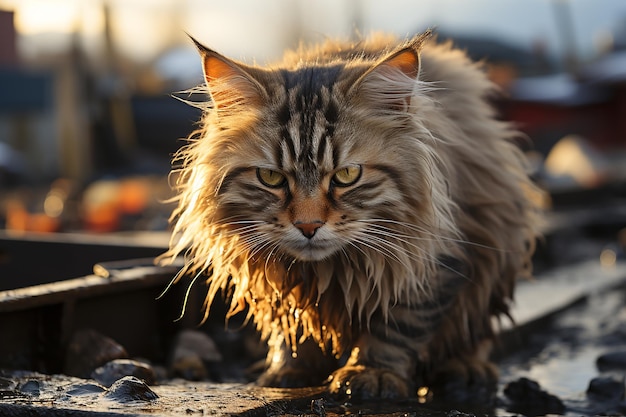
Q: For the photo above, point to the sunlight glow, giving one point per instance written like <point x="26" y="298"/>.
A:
<point x="40" y="16"/>
<point x="33" y="17"/>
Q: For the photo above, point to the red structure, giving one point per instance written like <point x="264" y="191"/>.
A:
<point x="592" y="105"/>
<point x="8" y="44"/>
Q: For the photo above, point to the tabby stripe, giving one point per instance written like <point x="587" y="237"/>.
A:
<point x="388" y="356"/>
<point x="284" y="114"/>
<point x="278" y="157"/>
<point x="331" y="115"/>
<point x="307" y="123"/>
<point x="229" y="178"/>
<point x="288" y="141"/>
<point x="403" y="333"/>
<point x="307" y="90"/>
<point x="393" y="173"/>
<point x="255" y="197"/>
<point x="336" y="153"/>
<point x="368" y="191"/>
<point x="430" y="310"/>
<point x="288" y="198"/>
<point x="408" y="320"/>
<point x="321" y="149"/>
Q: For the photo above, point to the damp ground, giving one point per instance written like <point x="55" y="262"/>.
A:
<point x="567" y="356"/>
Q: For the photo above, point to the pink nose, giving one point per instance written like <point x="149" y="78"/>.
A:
<point x="309" y="229"/>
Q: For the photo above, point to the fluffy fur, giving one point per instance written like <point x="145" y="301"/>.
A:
<point x="383" y="283"/>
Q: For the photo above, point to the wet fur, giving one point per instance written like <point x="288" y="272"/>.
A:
<point x="427" y="245"/>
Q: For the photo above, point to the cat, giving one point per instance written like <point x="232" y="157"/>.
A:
<point x="364" y="206"/>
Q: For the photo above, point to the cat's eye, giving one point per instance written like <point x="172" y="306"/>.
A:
<point x="270" y="178"/>
<point x="347" y="176"/>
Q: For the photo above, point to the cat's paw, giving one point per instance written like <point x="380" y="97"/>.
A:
<point x="466" y="380"/>
<point x="364" y="383"/>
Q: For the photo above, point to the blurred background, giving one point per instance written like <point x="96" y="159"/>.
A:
<point x="91" y="113"/>
<point x="89" y="117"/>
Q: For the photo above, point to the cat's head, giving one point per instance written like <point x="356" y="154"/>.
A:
<point x="319" y="158"/>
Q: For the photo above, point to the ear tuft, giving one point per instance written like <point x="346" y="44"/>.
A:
<point x="405" y="58"/>
<point x="229" y="83"/>
<point x="407" y="61"/>
<point x="391" y="81"/>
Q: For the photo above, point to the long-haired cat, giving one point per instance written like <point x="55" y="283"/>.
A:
<point x="364" y="205"/>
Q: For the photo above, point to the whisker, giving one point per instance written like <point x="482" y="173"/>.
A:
<point x="175" y="279"/>
<point x="375" y="245"/>
<point x="186" y="298"/>
<point x="267" y="259"/>
<point x="423" y="254"/>
<point x="374" y="221"/>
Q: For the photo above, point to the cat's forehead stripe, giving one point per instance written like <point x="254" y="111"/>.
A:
<point x="310" y="79"/>
<point x="308" y="117"/>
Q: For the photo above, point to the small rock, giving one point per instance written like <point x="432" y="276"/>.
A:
<point x="161" y="373"/>
<point x="527" y="397"/>
<point x="191" y="350"/>
<point x="85" y="389"/>
<point x="612" y="361"/>
<point x="7" y="384"/>
<point x="456" y="413"/>
<point x="197" y="342"/>
<point x="111" y="371"/>
<point x="31" y="387"/>
<point x="318" y="407"/>
<point x="8" y="388"/>
<point x="606" y="389"/>
<point x="189" y="367"/>
<point x="88" y="350"/>
<point x="130" y="389"/>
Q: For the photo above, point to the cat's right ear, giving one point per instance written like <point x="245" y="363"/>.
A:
<point x="229" y="83"/>
<point x="391" y="82"/>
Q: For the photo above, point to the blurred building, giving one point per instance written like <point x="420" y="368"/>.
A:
<point x="8" y="41"/>
<point x="27" y="119"/>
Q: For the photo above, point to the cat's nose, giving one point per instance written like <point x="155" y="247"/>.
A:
<point x="309" y="229"/>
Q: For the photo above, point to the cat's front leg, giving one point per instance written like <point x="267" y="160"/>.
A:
<point x="385" y="357"/>
<point x="362" y="378"/>
<point x="391" y="357"/>
<point x="469" y="378"/>
<point x="376" y="369"/>
<point x="307" y="366"/>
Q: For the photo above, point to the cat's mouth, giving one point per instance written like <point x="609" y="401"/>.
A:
<point x="310" y="251"/>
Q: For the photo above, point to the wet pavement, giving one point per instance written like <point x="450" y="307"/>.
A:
<point x="578" y="355"/>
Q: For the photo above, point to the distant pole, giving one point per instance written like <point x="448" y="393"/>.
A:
<point x="565" y="27"/>
<point x="356" y="14"/>
<point x="120" y="108"/>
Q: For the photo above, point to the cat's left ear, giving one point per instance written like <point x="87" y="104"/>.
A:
<point x="392" y="80"/>
<point x="230" y="84"/>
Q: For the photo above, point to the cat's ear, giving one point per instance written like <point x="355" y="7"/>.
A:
<point x="229" y="83"/>
<point x="391" y="81"/>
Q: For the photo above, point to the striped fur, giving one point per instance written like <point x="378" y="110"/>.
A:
<point x="401" y="270"/>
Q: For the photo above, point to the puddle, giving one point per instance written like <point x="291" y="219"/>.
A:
<point x="568" y="374"/>
<point x="562" y="355"/>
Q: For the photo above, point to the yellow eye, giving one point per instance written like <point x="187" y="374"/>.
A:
<point x="347" y="176"/>
<point x="270" y="178"/>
